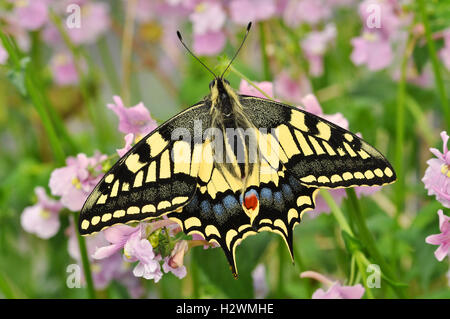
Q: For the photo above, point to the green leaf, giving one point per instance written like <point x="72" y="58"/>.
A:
<point x="351" y="243"/>
<point x="215" y="267"/>
<point x="420" y="56"/>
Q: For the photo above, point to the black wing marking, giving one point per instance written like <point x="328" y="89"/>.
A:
<point x="155" y="177"/>
<point x="317" y="152"/>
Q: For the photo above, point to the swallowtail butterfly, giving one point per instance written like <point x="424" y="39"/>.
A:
<point x="232" y="166"/>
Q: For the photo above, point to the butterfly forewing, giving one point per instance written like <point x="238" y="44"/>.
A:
<point x="155" y="177"/>
<point x="316" y="151"/>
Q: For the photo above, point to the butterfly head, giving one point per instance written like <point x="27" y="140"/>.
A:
<point x="222" y="95"/>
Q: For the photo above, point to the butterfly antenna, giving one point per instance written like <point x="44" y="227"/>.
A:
<point x="239" y="49"/>
<point x="191" y="53"/>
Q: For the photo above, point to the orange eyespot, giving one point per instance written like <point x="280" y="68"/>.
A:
<point x="251" y="201"/>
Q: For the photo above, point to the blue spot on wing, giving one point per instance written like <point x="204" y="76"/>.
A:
<point x="205" y="208"/>
<point x="294" y="182"/>
<point x="193" y="204"/>
<point x="287" y="192"/>
<point x="218" y="209"/>
<point x="278" y="200"/>
<point x="230" y="202"/>
<point x="266" y="196"/>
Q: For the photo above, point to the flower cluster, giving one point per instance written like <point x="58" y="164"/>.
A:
<point x="437" y="182"/>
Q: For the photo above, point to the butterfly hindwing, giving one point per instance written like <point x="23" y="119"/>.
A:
<point x="217" y="210"/>
<point x="155" y="177"/>
<point x="316" y="151"/>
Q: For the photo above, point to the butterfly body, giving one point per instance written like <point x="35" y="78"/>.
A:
<point x="232" y="166"/>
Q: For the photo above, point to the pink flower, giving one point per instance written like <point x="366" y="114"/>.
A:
<point x="244" y="11"/>
<point x="389" y="20"/>
<point x="246" y="89"/>
<point x="63" y="69"/>
<point x="373" y="50"/>
<point x="31" y="14"/>
<point x="209" y="43"/>
<point x="289" y="89"/>
<point x="174" y="262"/>
<point x="51" y="36"/>
<point x="95" y="21"/>
<point x="136" y="119"/>
<point x="42" y="218"/>
<point x="117" y="236"/>
<point x="139" y="249"/>
<point x="179" y="272"/>
<point x="177" y="254"/>
<point x="437" y="175"/>
<point x="75" y="181"/>
<point x="442" y="239"/>
<point x="208" y="16"/>
<point x="335" y="289"/>
<point x="3" y="54"/>
<point x="306" y="11"/>
<point x="340" y="292"/>
<point x="315" y="45"/>
<point x="129" y="138"/>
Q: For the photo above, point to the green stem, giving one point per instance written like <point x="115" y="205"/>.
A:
<point x="37" y="102"/>
<point x="301" y="268"/>
<point x="35" y="71"/>
<point x="337" y="212"/>
<point x="400" y="132"/>
<point x="265" y="58"/>
<point x="281" y="263"/>
<point x="108" y="65"/>
<point x="367" y="239"/>
<point x="435" y="63"/>
<point x="359" y="257"/>
<point x="85" y="261"/>
<point x="399" y="144"/>
<point x="352" y="279"/>
<point x="421" y="122"/>
<point x="195" y="279"/>
<point x="99" y="125"/>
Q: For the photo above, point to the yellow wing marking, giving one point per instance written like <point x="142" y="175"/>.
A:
<point x="316" y="145"/>
<point x="298" y="120"/>
<point x="133" y="164"/>
<point x="151" y="173"/>
<point x="303" y="143"/>
<point x="324" y="131"/>
<point x="164" y="165"/>
<point x="181" y="154"/>
<point x="138" y="179"/>
<point x="157" y="144"/>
